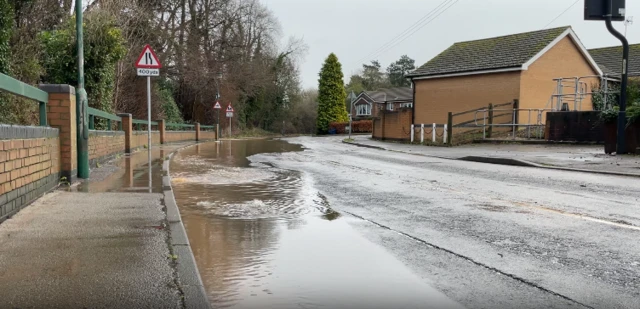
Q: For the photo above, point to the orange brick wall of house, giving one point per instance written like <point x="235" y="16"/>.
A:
<point x="102" y="144"/>
<point x="434" y="98"/>
<point x="139" y="138"/>
<point x="537" y="85"/>
<point x="394" y="125"/>
<point x="23" y="161"/>
<point x="178" y="136"/>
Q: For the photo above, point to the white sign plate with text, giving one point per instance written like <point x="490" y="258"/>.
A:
<point x="148" y="72"/>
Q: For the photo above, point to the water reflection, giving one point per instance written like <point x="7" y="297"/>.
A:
<point x="138" y="172"/>
<point x="264" y="237"/>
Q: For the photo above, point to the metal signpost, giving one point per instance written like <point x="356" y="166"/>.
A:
<point x="352" y="97"/>
<point x="217" y="107"/>
<point x="614" y="10"/>
<point x="229" y="115"/>
<point x="148" y="65"/>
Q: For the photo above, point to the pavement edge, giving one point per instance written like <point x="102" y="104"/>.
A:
<point x="502" y="161"/>
<point x="194" y="293"/>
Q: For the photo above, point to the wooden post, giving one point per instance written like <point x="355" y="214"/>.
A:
<point x="449" y="128"/>
<point x="490" y="120"/>
<point x="516" y="116"/>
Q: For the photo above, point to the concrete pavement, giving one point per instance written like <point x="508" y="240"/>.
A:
<point x="587" y="158"/>
<point x="97" y="249"/>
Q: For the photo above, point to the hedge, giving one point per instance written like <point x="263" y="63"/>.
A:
<point x="362" y="126"/>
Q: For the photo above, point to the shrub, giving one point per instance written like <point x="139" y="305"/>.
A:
<point x="340" y="127"/>
<point x="362" y="126"/>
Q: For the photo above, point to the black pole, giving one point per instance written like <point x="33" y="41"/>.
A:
<point x="622" y="115"/>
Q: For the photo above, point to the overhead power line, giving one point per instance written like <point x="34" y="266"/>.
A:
<point x="418" y="29"/>
<point x="566" y="10"/>
<point x="420" y="23"/>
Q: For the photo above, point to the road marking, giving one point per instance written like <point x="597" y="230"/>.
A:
<point x="580" y="216"/>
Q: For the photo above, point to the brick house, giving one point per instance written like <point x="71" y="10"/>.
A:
<point x="368" y="103"/>
<point x="470" y="75"/>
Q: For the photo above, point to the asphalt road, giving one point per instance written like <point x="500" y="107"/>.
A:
<point x="487" y="236"/>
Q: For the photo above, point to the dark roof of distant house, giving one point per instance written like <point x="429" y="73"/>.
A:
<point x="390" y="94"/>
<point x="609" y="59"/>
<point x="504" y="52"/>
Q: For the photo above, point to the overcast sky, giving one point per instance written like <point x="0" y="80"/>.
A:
<point x="355" y="29"/>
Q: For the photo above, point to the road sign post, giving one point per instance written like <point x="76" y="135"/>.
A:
<point x="230" y="116"/>
<point x="148" y="65"/>
<point x="217" y="107"/>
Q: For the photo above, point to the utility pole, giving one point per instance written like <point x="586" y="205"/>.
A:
<point x="622" y="115"/>
<point x="82" y="105"/>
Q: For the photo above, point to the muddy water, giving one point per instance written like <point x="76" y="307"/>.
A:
<point x="263" y="237"/>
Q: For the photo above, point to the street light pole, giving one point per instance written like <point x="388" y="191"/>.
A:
<point x="622" y="118"/>
<point x="82" y="118"/>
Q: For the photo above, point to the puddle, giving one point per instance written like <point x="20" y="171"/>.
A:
<point x="264" y="237"/>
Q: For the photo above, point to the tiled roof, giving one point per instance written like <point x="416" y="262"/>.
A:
<point x="391" y="94"/>
<point x="609" y="59"/>
<point x="502" y="52"/>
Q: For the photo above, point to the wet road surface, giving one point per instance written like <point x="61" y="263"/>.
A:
<point x="265" y="237"/>
<point x="485" y="236"/>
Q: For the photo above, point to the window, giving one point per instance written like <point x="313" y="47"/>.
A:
<point x="389" y="106"/>
<point x="363" y="110"/>
<point x="407" y="105"/>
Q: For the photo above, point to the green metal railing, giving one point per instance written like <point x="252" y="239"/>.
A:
<point x="180" y="127"/>
<point x="14" y="86"/>
<point x="137" y="123"/>
<point x="205" y="128"/>
<point x="93" y="113"/>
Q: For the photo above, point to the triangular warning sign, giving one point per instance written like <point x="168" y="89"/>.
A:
<point x="229" y="108"/>
<point x="217" y="106"/>
<point x="148" y="59"/>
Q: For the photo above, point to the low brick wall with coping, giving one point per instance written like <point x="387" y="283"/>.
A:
<point x="207" y="135"/>
<point x="140" y="139"/>
<point x="178" y="136"/>
<point x="29" y="165"/>
<point x="104" y="146"/>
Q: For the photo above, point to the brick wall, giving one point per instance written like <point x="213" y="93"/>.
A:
<point x="537" y="85"/>
<point x="394" y="125"/>
<point x="434" y="98"/>
<point x="377" y="128"/>
<point x="179" y="136"/>
<point x="103" y="145"/>
<point x="139" y="138"/>
<point x="29" y="165"/>
<point x="207" y="135"/>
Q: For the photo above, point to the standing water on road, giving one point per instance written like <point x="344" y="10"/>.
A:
<point x="263" y="237"/>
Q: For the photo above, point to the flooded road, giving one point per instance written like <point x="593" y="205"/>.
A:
<point x="266" y="237"/>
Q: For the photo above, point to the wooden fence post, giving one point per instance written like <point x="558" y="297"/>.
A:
<point x="490" y="131"/>
<point x="449" y="128"/>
